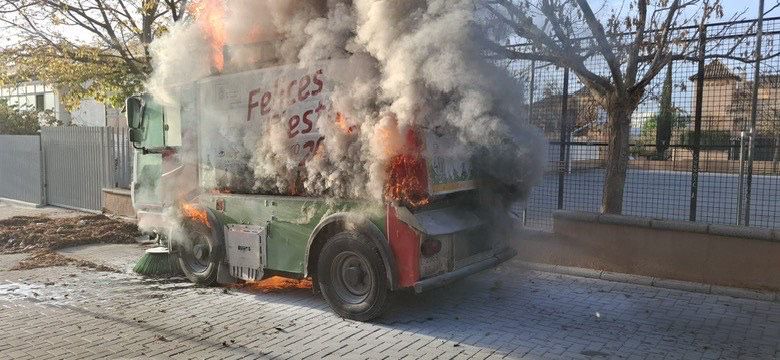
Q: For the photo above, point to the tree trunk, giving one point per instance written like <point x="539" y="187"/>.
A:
<point x="619" y="110"/>
<point x="148" y="13"/>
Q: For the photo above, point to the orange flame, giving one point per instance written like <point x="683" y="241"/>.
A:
<point x="277" y="284"/>
<point x="341" y="121"/>
<point x="406" y="180"/>
<point x="211" y="18"/>
<point x="191" y="212"/>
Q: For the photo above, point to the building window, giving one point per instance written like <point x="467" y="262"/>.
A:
<point x="39" y="105"/>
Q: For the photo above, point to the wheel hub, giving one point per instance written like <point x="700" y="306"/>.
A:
<point x="196" y="253"/>
<point x="355" y="279"/>
<point x="200" y="251"/>
<point x="352" y="279"/>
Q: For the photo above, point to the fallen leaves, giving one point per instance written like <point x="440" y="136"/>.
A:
<point x="46" y="258"/>
<point x="29" y="233"/>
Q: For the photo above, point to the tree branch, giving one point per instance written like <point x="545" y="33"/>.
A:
<point x="633" y="63"/>
<point x="597" y="30"/>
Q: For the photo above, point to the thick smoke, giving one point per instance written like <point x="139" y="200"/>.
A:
<point x="402" y="64"/>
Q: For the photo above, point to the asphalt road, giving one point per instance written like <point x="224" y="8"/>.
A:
<point x="659" y="194"/>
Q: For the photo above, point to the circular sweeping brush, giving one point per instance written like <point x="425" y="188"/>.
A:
<point x="157" y="261"/>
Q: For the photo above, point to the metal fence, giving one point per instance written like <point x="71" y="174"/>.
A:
<point x="65" y="166"/>
<point x="81" y="161"/>
<point x="21" y="172"/>
<point x="715" y="180"/>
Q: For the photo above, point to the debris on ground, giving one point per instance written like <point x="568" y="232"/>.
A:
<point x="161" y="338"/>
<point x="276" y="284"/>
<point x="29" y="233"/>
<point x="45" y="258"/>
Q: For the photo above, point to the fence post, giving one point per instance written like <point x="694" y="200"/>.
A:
<point x="754" y="111"/>
<point x="105" y="155"/>
<point x="531" y="91"/>
<point x="740" y="186"/>
<point x="530" y="119"/>
<point x="695" y="139"/>
<point x="564" y="135"/>
<point x="42" y="166"/>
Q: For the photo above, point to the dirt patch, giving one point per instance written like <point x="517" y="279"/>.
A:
<point x="31" y="233"/>
<point x="46" y="258"/>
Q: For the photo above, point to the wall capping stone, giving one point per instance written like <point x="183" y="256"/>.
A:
<point x="745" y="232"/>
<point x="117" y="191"/>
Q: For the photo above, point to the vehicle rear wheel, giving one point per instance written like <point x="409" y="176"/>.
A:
<point x="199" y="254"/>
<point x="351" y="277"/>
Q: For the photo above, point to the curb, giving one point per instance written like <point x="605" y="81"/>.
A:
<point x="689" y="286"/>
<point x="21" y="203"/>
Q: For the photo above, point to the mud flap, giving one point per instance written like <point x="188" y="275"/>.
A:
<point x="223" y="275"/>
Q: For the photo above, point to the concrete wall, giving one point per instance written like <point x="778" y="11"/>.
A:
<point x="89" y="113"/>
<point x="118" y="202"/>
<point x="712" y="254"/>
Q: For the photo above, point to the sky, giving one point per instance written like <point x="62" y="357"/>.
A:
<point x="735" y="6"/>
<point x="730" y="7"/>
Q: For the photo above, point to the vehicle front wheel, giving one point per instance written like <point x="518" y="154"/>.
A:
<point x="351" y="276"/>
<point x="198" y="254"/>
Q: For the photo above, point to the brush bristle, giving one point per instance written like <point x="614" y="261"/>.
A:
<point x="157" y="264"/>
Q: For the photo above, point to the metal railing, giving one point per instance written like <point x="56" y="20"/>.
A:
<point x="716" y="159"/>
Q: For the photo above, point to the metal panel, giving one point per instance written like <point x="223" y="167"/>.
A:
<point x="81" y="161"/>
<point x="21" y="175"/>
<point x="246" y="253"/>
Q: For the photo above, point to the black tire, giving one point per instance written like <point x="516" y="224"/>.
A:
<point x="351" y="276"/>
<point x="199" y="254"/>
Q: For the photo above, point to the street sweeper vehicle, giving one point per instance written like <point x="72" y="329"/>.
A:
<point x="197" y="185"/>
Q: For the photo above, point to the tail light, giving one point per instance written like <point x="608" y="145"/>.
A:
<point x="430" y="247"/>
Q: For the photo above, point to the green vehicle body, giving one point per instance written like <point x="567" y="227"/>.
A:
<point x="296" y="227"/>
<point x="291" y="221"/>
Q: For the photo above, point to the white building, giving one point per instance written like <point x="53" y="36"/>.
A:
<point x="42" y="97"/>
<point x="638" y="120"/>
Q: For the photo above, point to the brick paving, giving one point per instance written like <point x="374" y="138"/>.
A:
<point x="508" y="312"/>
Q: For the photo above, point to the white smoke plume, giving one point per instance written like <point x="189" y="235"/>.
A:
<point x="403" y="64"/>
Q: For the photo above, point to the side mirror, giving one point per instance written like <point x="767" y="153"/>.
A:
<point x="134" y="107"/>
<point x="136" y="135"/>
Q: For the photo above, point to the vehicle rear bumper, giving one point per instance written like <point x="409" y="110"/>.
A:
<point x="446" y="278"/>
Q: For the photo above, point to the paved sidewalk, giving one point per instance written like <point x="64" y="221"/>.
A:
<point x="507" y="312"/>
<point x="118" y="256"/>
<point x="9" y="209"/>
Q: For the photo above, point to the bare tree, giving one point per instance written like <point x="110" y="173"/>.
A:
<point x="96" y="48"/>
<point x="634" y="47"/>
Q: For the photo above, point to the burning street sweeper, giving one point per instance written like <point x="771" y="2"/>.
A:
<point x="364" y="144"/>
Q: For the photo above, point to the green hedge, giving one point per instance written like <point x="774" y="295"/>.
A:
<point x="708" y="138"/>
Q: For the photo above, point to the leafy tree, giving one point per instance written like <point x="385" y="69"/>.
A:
<point x="87" y="48"/>
<point x="648" y="133"/>
<point x="16" y="121"/>
<point x="633" y="47"/>
<point x="664" y="119"/>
